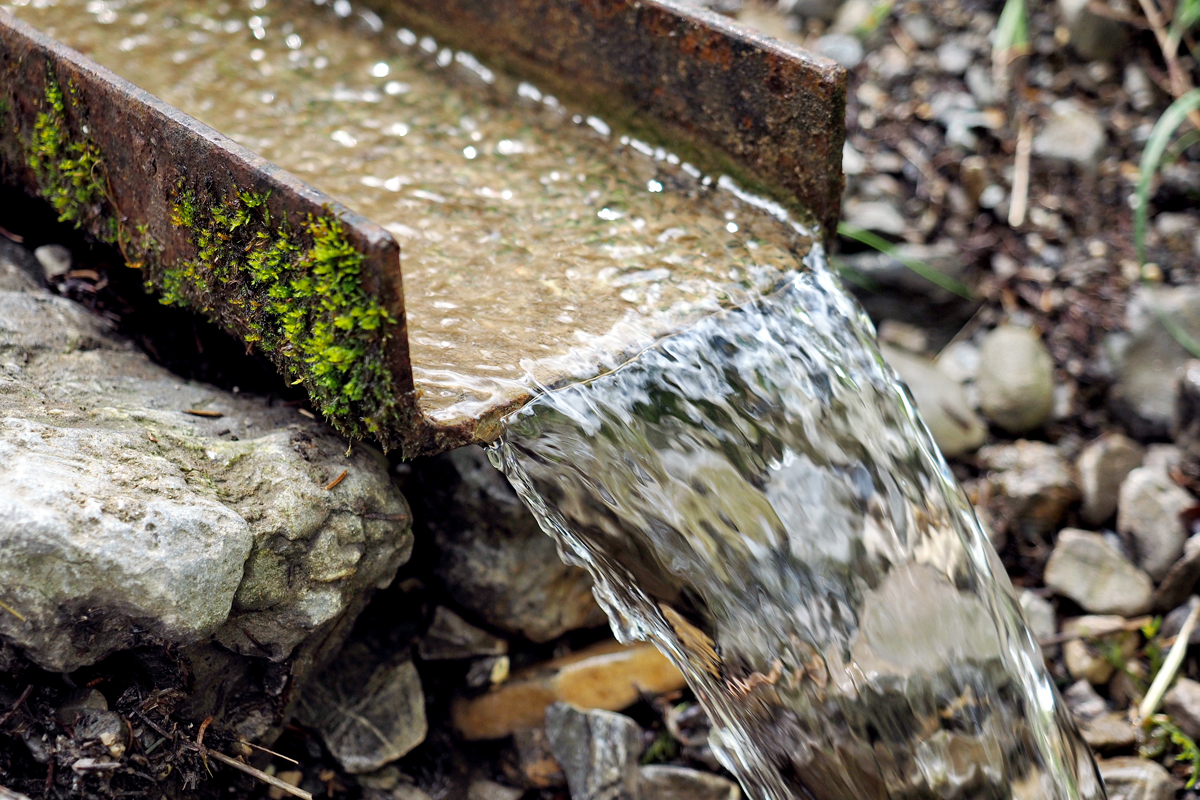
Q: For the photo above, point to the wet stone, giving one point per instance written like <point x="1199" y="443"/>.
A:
<point x="369" y="712"/>
<point x="1129" y="778"/>
<point x="1093" y="36"/>
<point x="598" y="751"/>
<point x="1039" y="614"/>
<point x="1148" y="514"/>
<point x="1034" y="482"/>
<point x="1102" y="466"/>
<point x="1084" y="702"/>
<point x="1092" y="572"/>
<point x="1108" y="732"/>
<point x="1182" y="703"/>
<point x="660" y="782"/>
<point x="955" y="426"/>
<point x="493" y="558"/>
<point x="450" y="636"/>
<point x="1016" y="379"/>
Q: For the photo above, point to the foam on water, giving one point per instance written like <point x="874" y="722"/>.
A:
<point x="758" y="497"/>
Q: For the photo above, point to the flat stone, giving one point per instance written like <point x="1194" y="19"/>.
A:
<point x="1147" y="360"/>
<point x="1107" y="732"/>
<point x="1180" y="579"/>
<point x="1182" y="703"/>
<point x="1148" y="515"/>
<point x="1102" y="466"/>
<point x="954" y="58"/>
<point x="1129" y="778"/>
<point x="1083" y="660"/>
<point x="607" y="676"/>
<point x="491" y="555"/>
<point x="450" y="637"/>
<point x="1016" y="379"/>
<point x="1073" y="134"/>
<point x="19" y="270"/>
<point x="1034" y="483"/>
<point x="368" y="711"/>
<point x="598" y="751"/>
<point x="163" y="527"/>
<point x="661" y="782"/>
<point x="1089" y="570"/>
<point x="955" y="426"/>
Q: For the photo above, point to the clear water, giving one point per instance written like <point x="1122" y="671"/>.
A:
<point x="758" y="497"/>
<point x="754" y="494"/>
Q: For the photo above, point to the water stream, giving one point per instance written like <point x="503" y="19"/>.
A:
<point x="755" y="493"/>
<point x="758" y="497"/>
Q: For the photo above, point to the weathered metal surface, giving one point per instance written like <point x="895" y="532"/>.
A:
<point x="768" y="112"/>
<point x="151" y="152"/>
<point x="728" y="99"/>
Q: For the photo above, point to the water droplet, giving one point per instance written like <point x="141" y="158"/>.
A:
<point x="654" y="186"/>
<point x="380" y="70"/>
<point x="470" y="152"/>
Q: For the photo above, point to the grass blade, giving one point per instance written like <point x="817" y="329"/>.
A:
<point x="1012" y="33"/>
<point x="927" y="272"/>
<point x="1152" y="157"/>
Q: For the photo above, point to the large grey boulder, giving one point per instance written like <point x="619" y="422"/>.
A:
<point x="127" y="521"/>
<point x="491" y="555"/>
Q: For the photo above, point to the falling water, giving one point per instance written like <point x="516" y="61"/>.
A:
<point x="758" y="497"/>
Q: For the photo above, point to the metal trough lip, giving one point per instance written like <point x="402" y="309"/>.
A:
<point x="746" y="104"/>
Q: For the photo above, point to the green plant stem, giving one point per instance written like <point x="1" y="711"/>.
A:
<point x="1152" y="157"/>
<point x="924" y="270"/>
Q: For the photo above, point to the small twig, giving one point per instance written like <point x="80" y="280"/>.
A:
<point x="200" y="412"/>
<point x="1137" y="623"/>
<point x="7" y="715"/>
<point x="262" y="776"/>
<point x="9" y="794"/>
<point x="1171" y="664"/>
<point x="12" y="237"/>
<point x="13" y="611"/>
<point x="337" y="480"/>
<point x="1020" y="189"/>
<point x="272" y="752"/>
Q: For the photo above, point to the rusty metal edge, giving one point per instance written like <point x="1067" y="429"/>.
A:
<point x="149" y="150"/>
<point x="766" y="112"/>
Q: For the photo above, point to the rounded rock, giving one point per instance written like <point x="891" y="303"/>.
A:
<point x="1016" y="379"/>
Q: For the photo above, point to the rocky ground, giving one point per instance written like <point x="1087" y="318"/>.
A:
<point x="1063" y="392"/>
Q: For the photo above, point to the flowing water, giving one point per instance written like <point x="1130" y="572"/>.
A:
<point x="755" y="493"/>
<point x="758" y="497"/>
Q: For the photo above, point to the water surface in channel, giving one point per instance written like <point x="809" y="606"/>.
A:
<point x="755" y="494"/>
<point x="526" y="229"/>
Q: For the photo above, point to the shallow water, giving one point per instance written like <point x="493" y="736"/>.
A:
<point x="526" y="230"/>
<point x="758" y="497"/>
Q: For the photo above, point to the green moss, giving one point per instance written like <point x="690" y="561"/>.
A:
<point x="68" y="164"/>
<point x="296" y="292"/>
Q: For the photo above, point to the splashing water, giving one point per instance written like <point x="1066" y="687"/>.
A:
<point x="758" y="497"/>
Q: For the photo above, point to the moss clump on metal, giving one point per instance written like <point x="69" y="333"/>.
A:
<point x="297" y="293"/>
<point x="68" y="164"/>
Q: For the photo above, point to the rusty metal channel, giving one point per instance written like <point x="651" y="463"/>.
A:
<point x="735" y="101"/>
